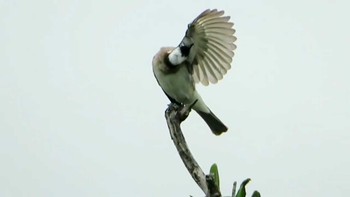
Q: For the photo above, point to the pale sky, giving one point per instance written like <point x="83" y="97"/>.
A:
<point x="82" y="115"/>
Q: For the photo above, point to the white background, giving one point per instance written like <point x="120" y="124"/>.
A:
<point x="82" y="115"/>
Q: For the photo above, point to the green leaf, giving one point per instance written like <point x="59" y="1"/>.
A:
<point x="215" y="172"/>
<point x="256" y="194"/>
<point x="241" y="192"/>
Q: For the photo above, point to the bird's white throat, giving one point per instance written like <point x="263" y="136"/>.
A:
<point x="175" y="57"/>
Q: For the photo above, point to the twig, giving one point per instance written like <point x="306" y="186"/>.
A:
<point x="234" y="189"/>
<point x="174" y="115"/>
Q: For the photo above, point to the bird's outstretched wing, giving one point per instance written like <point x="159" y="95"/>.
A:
<point x="212" y="36"/>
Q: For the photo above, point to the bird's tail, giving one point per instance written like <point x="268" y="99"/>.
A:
<point x="216" y="126"/>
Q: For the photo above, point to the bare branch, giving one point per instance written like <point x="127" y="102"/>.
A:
<point x="174" y="115"/>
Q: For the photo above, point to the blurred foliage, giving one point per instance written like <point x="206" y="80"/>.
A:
<point x="215" y="173"/>
<point x="241" y="191"/>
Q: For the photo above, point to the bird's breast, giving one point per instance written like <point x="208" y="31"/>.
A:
<point x="178" y="85"/>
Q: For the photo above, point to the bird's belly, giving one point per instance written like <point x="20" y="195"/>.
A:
<point x="178" y="86"/>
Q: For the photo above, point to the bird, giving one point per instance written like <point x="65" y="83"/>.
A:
<point x="204" y="56"/>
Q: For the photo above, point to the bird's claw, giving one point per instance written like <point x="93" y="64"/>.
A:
<point x="182" y="111"/>
<point x="174" y="106"/>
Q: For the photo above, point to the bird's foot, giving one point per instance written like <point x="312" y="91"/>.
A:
<point x="174" y="107"/>
<point x="185" y="111"/>
<point x="182" y="111"/>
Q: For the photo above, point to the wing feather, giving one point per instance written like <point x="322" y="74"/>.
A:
<point x="217" y="69"/>
<point x="212" y="78"/>
<point x="203" y="68"/>
<point x="213" y="44"/>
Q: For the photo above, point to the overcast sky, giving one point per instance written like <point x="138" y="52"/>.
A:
<point x="82" y="115"/>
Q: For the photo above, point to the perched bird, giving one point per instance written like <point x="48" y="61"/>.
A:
<point x="204" y="55"/>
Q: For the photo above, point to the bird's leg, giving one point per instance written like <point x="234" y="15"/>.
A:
<point x="182" y="111"/>
<point x="185" y="111"/>
<point x="174" y="106"/>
